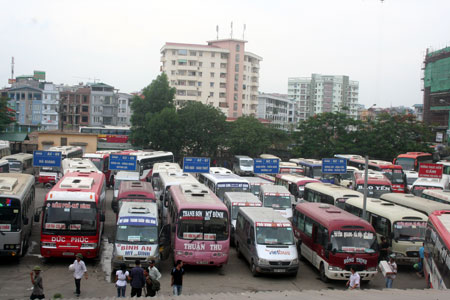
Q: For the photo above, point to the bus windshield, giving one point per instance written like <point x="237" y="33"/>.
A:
<point x="274" y="236"/>
<point x="374" y="190"/>
<point x="15" y="165"/>
<point x="222" y="188"/>
<point x="347" y="176"/>
<point x="255" y="188"/>
<point x="137" y="234"/>
<point x="353" y="241"/>
<point x="246" y="163"/>
<point x="406" y="163"/>
<point x="277" y="201"/>
<point x="9" y="214"/>
<point x="410" y="230"/>
<point x="207" y="225"/>
<point x="70" y="216"/>
<point x="394" y="176"/>
<point x="98" y="162"/>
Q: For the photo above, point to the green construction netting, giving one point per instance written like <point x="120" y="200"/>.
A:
<point x="437" y="74"/>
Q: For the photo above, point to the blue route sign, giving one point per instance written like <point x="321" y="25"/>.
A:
<point x="196" y="164"/>
<point x="334" y="166"/>
<point x="46" y="158"/>
<point x="266" y="166"/>
<point x="122" y="162"/>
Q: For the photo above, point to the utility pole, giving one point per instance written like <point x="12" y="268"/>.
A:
<point x="366" y="171"/>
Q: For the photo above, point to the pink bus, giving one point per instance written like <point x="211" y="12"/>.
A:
<point x="200" y="227"/>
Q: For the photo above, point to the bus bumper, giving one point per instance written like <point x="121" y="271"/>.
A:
<point x="270" y="269"/>
<point x="202" y="259"/>
<point x="131" y="263"/>
<point x="46" y="179"/>
<point x="345" y="275"/>
<point x="69" y="252"/>
<point x="9" y="253"/>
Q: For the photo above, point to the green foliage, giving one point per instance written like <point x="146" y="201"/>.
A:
<point x="155" y="97"/>
<point x="7" y="115"/>
<point x="166" y="131"/>
<point x="248" y="136"/>
<point x="204" y="128"/>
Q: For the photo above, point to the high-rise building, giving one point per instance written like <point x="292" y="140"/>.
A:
<point x="50" y="107"/>
<point x="75" y="107"/>
<point x="277" y="109"/>
<point x="124" y="112"/>
<point x="103" y="104"/>
<point x="323" y="93"/>
<point x="220" y="73"/>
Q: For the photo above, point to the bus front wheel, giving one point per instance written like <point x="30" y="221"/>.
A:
<point x="253" y="269"/>
<point x="323" y="276"/>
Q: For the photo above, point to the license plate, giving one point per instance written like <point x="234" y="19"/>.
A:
<point x="279" y="270"/>
<point x="68" y="254"/>
<point x="202" y="263"/>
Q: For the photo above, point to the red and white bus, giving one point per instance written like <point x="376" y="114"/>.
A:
<point x="294" y="183"/>
<point x="133" y="191"/>
<point x="110" y="137"/>
<point x="200" y="226"/>
<point x="377" y="184"/>
<point x="410" y="161"/>
<point x="146" y="160"/>
<point x="437" y="250"/>
<point x="48" y="176"/>
<point x="101" y="161"/>
<point x="73" y="215"/>
<point x="334" y="241"/>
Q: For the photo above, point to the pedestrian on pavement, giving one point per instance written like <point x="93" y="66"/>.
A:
<point x="152" y="277"/>
<point x="421" y="258"/>
<point x="177" y="278"/>
<point x="38" y="287"/>
<point x="355" y="280"/>
<point x="390" y="277"/>
<point x="121" y="280"/>
<point x="384" y="249"/>
<point x="79" y="269"/>
<point x="137" y="279"/>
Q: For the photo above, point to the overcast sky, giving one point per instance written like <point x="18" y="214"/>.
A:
<point x="380" y="44"/>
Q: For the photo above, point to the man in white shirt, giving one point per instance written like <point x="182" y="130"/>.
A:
<point x="390" y="277"/>
<point x="79" y="269"/>
<point x="153" y="272"/>
<point x="153" y="276"/>
<point x="354" y="281"/>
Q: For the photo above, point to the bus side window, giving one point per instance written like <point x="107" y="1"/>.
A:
<point x="201" y="178"/>
<point x="294" y="218"/>
<point x="321" y="237"/>
<point x="252" y="235"/>
<point x="293" y="189"/>
<point x="381" y="225"/>
<point x="308" y="227"/>
<point x="240" y="222"/>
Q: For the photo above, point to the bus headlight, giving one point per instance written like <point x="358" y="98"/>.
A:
<point x="11" y="246"/>
<point x="334" y="268"/>
<point x="49" y="245"/>
<point x="294" y="261"/>
<point x="118" y="257"/>
<point x="88" y="246"/>
<point x="263" y="261"/>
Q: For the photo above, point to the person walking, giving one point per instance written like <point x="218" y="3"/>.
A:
<point x="355" y="280"/>
<point x="384" y="249"/>
<point x="137" y="279"/>
<point x="79" y="269"/>
<point x="390" y="277"/>
<point x="152" y="278"/>
<point x="420" y="272"/>
<point x="121" y="280"/>
<point x="177" y="278"/>
<point x="38" y="287"/>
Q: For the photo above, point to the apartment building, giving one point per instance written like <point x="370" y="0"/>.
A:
<point x="103" y="105"/>
<point x="221" y="74"/>
<point x="75" y="106"/>
<point x="277" y="109"/>
<point x="124" y="112"/>
<point x="323" y="93"/>
<point x="50" y="106"/>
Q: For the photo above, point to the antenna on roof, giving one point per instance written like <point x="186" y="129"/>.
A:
<point x="217" y="30"/>
<point x="231" y="35"/>
<point x="243" y="33"/>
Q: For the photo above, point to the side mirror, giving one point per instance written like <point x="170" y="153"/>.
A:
<point x="102" y="218"/>
<point x="329" y="247"/>
<point x="25" y="221"/>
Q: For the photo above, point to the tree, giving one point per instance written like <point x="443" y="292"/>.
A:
<point x="204" y="128"/>
<point x="155" y="97"/>
<point x="247" y="136"/>
<point x="7" y="115"/>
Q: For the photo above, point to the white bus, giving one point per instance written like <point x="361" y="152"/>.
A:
<point x="20" y="163"/>
<point x="419" y="204"/>
<point x="221" y="183"/>
<point x="4" y="149"/>
<point x="16" y="213"/>
<point x="422" y="184"/>
<point x="4" y="166"/>
<point x="437" y="195"/>
<point x="146" y="160"/>
<point x="219" y="170"/>
<point x="68" y="151"/>
<point x="329" y="193"/>
<point x="78" y="164"/>
<point x="403" y="228"/>
<point x="165" y="167"/>
<point x="48" y="176"/>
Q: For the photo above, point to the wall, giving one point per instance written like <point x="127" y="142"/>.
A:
<point x="51" y="139"/>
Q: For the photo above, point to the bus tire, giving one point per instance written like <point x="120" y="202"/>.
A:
<point x="253" y="269"/>
<point x="239" y="254"/>
<point x="48" y="186"/>
<point x="299" y="252"/>
<point x="429" y="282"/>
<point x="323" y="275"/>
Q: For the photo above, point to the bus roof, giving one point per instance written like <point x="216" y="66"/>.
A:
<point x="139" y="209"/>
<point x="15" y="184"/>
<point x="432" y="182"/>
<point x="166" y="167"/>
<point x="420" y="204"/>
<point x="190" y="196"/>
<point x="240" y="198"/>
<point x="309" y="162"/>
<point x="176" y="178"/>
<point x="297" y="179"/>
<point x="3" y="162"/>
<point x="126" y="175"/>
<point x="18" y="156"/>
<point x="141" y="154"/>
<point x="264" y="215"/>
<point x="444" y="195"/>
<point x="83" y="186"/>
<point x="274" y="189"/>
<point x="349" y="156"/>
<point x="413" y="154"/>
<point x="78" y="164"/>
<point x="65" y="149"/>
<point x="225" y="178"/>
<point x="95" y="155"/>
<point x="386" y="209"/>
<point x="332" y="217"/>
<point x="219" y="170"/>
<point x="269" y="156"/>
<point x="372" y="178"/>
<point x="441" y="221"/>
<point x="336" y="191"/>
<point x="243" y="157"/>
<point x="135" y="189"/>
<point x="256" y="180"/>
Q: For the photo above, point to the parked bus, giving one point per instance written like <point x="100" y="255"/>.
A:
<point x="101" y="161"/>
<point x="17" y="198"/>
<point x="334" y="241"/>
<point x="377" y="183"/>
<point x="329" y="193"/>
<point x="166" y="167"/>
<point x="221" y="183"/>
<point x="269" y="156"/>
<point x="134" y="191"/>
<point x="422" y="184"/>
<point x="402" y="227"/>
<point x="137" y="235"/>
<point x="20" y="163"/>
<point x="242" y="165"/>
<point x="265" y="239"/>
<point x="73" y="215"/>
<point x="425" y="206"/>
<point x="48" y="176"/>
<point x="4" y="166"/>
<point x="437" y="195"/>
<point x="437" y="250"/>
<point x="78" y="165"/>
<point x="110" y="137"/>
<point x="219" y="170"/>
<point x="411" y="177"/>
<point x="411" y="161"/>
<point x="313" y="168"/>
<point x="290" y="168"/>
<point x="120" y="177"/>
<point x="5" y="150"/>
<point x="294" y="183"/>
<point x="146" y="160"/>
<point x="278" y="198"/>
<point x="200" y="226"/>
<point x="255" y="184"/>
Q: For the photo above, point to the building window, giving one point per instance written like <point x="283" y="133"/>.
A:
<point x="199" y="83"/>
<point x="200" y="64"/>
<point x="212" y="74"/>
<point x="182" y="52"/>
<point x="235" y="97"/>
<point x="84" y="119"/>
<point x="85" y="108"/>
<point x="213" y="65"/>
<point x="211" y="84"/>
<point x="237" y="57"/>
<point x="236" y="88"/>
<point x="213" y="54"/>
<point x="192" y="53"/>
<point x="200" y="53"/>
<point x="236" y="67"/>
<point x="236" y="77"/>
<point x="63" y="141"/>
<point x="238" y="47"/>
<point x="211" y="94"/>
<point x="173" y="62"/>
<point x="235" y="106"/>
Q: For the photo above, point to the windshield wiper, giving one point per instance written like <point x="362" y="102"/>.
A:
<point x="194" y="239"/>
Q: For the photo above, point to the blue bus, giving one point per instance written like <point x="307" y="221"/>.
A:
<point x="313" y="168"/>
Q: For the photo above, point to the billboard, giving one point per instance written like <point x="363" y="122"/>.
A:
<point x="39" y="75"/>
